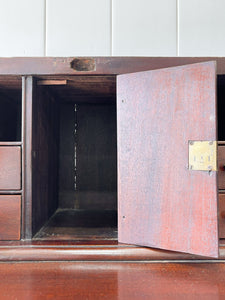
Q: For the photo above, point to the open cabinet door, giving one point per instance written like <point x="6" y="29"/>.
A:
<point x="164" y="201"/>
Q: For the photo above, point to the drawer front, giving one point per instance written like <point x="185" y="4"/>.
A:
<point x="10" y="168"/>
<point x="10" y="217"/>
<point x="222" y="216"/>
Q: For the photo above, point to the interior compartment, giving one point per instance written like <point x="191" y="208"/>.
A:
<point x="75" y="159"/>
<point x="221" y="106"/>
<point x="10" y="109"/>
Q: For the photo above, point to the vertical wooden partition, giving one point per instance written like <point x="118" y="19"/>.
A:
<point x="40" y="148"/>
<point x="45" y="135"/>
<point x="27" y="102"/>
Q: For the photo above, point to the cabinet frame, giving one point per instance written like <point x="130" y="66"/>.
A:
<point x="52" y="69"/>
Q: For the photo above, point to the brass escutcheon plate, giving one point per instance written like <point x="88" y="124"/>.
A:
<point x="202" y="155"/>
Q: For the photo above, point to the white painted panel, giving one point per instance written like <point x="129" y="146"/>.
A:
<point x="78" y="27"/>
<point x="144" y="27"/>
<point x="202" y="27"/>
<point x="22" y="27"/>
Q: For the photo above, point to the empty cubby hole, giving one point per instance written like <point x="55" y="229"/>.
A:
<point x="10" y="108"/>
<point x="75" y="160"/>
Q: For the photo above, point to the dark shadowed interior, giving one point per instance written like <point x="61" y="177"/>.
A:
<point x="75" y="130"/>
<point x="10" y="109"/>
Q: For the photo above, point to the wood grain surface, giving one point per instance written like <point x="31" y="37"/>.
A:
<point x="90" y="251"/>
<point x="119" y="281"/>
<point x="96" y="169"/>
<point x="161" y="202"/>
<point x="45" y="145"/>
<point x="73" y="224"/>
<point x="28" y="87"/>
<point x="10" y="168"/>
<point x="222" y="215"/>
<point x="221" y="167"/>
<point x="10" y="217"/>
<point x="104" y="65"/>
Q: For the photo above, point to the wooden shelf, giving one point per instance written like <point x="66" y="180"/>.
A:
<point x="72" y="224"/>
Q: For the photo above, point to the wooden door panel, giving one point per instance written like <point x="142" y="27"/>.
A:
<point x="161" y="203"/>
<point x="10" y="168"/>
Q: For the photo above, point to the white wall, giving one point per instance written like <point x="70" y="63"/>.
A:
<point x="112" y="27"/>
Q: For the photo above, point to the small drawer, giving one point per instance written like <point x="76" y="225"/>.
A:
<point x="10" y="217"/>
<point x="10" y="168"/>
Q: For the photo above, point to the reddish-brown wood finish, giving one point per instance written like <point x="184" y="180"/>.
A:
<point x="45" y="123"/>
<point x="68" y="251"/>
<point x="221" y="167"/>
<point x="162" y="203"/>
<point x="39" y="66"/>
<point x="121" y="281"/>
<point x="91" y="253"/>
<point x="80" y="87"/>
<point x="10" y="168"/>
<point x="10" y="217"/>
<point x="222" y="216"/>
<point x="27" y="112"/>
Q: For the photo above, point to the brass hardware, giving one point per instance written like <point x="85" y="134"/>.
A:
<point x="203" y="155"/>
